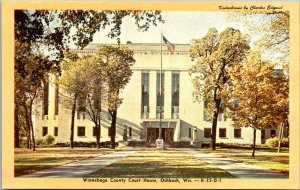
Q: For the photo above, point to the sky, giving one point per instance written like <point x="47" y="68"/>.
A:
<point x="179" y="27"/>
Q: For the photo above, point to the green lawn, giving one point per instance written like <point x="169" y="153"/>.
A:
<point x="160" y="164"/>
<point x="267" y="158"/>
<point x="28" y="161"/>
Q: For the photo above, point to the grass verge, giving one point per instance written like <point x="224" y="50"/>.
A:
<point x="268" y="159"/>
<point x="28" y="161"/>
<point x="161" y="164"/>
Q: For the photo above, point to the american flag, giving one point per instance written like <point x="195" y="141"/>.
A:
<point x="170" y="46"/>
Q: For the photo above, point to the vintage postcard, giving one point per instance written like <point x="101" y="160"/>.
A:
<point x="150" y="95"/>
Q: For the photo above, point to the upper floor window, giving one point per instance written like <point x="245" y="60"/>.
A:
<point x="46" y="98"/>
<point x="175" y="94"/>
<point x="145" y="94"/>
<point x="160" y="99"/>
<point x="56" y="97"/>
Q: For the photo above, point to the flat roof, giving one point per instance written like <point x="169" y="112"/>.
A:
<point x="143" y="46"/>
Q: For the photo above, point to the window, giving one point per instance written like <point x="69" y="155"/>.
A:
<point x="190" y="132"/>
<point x="55" y="131"/>
<point x="273" y="133"/>
<point x="45" y="131"/>
<point x="81" y="108"/>
<point x="46" y="98"/>
<point x="145" y="93"/>
<point x="160" y="100"/>
<point x="175" y="94"/>
<point x="207" y="132"/>
<point x="56" y="97"/>
<point x="130" y="131"/>
<point x="205" y="106"/>
<point x="221" y="111"/>
<point x="222" y="133"/>
<point x="237" y="133"/>
<point x="81" y="131"/>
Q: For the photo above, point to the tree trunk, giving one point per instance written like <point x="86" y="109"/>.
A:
<point x="254" y="141"/>
<point x="214" y="131"/>
<point x="214" y="125"/>
<point x="280" y="137"/>
<point x="98" y="136"/>
<point x="72" y="124"/>
<point x="31" y="125"/>
<point x="27" y="126"/>
<point x="17" y="127"/>
<point x="28" y="139"/>
<point x="113" y="129"/>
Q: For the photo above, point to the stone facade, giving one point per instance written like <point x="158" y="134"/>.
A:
<point x="183" y="122"/>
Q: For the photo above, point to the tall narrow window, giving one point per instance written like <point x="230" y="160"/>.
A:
<point x="190" y="132"/>
<point x="55" y="131"/>
<point x="160" y="101"/>
<point x="205" y="106"/>
<point x="56" y="98"/>
<point x="175" y="95"/>
<point x="45" y="131"/>
<point x="221" y="111"/>
<point x="145" y="95"/>
<point x="81" y="109"/>
<point x="46" y="98"/>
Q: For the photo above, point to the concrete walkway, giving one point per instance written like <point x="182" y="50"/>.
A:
<point x="83" y="167"/>
<point x="236" y="168"/>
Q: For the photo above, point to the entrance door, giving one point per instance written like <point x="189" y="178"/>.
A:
<point x="152" y="134"/>
<point x="166" y="133"/>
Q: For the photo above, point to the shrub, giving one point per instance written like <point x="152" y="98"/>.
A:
<point x="49" y="140"/>
<point x="23" y="142"/>
<point x="272" y="142"/>
<point x="285" y="142"/>
<point x="40" y="142"/>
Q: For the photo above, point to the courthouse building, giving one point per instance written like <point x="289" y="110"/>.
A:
<point x="183" y="119"/>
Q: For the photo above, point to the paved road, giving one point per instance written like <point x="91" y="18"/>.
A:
<point x="236" y="168"/>
<point x="81" y="168"/>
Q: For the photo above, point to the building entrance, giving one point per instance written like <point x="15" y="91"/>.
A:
<point x="153" y="134"/>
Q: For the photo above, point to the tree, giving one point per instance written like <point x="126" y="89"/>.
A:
<point x="271" y="29"/>
<point x="215" y="54"/>
<point x="117" y="62"/>
<point x="50" y="33"/>
<point x="261" y="95"/>
<point x="73" y="84"/>
<point x="96" y="92"/>
<point x="29" y="78"/>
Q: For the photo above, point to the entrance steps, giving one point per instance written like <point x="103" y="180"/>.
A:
<point x="152" y="144"/>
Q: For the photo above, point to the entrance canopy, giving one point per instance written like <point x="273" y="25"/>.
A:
<point x="164" y="124"/>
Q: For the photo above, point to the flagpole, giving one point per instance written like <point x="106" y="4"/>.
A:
<point x="160" y="110"/>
